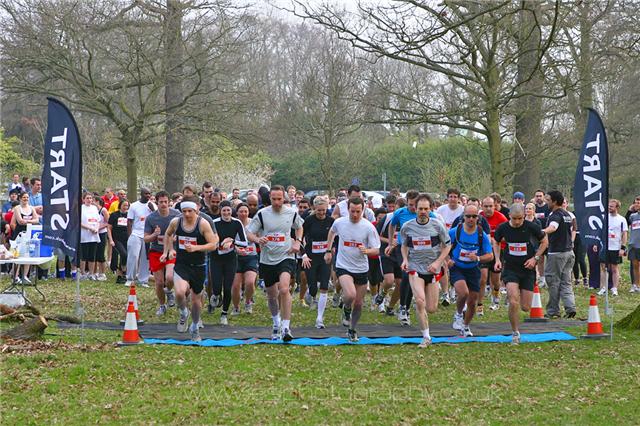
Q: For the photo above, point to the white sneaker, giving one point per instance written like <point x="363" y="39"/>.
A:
<point x="319" y="324"/>
<point x="224" y="320"/>
<point x="145" y="285"/>
<point x="161" y="310"/>
<point x="466" y="331"/>
<point x="458" y="322"/>
<point x="634" y="289"/>
<point x="200" y="324"/>
<point x="102" y="277"/>
<point x="503" y="290"/>
<point x="602" y="291"/>
<point x="426" y="341"/>
<point x="26" y="280"/>
<point x="235" y="312"/>
<point x="614" y="291"/>
<point x="248" y="308"/>
<point x="382" y="307"/>
<point x="182" y="322"/>
<point x="515" y="338"/>
<point x="128" y="283"/>
<point x="171" y="299"/>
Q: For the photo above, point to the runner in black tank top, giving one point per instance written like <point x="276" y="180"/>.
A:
<point x="194" y="237"/>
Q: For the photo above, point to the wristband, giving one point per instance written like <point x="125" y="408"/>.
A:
<point x="328" y="251"/>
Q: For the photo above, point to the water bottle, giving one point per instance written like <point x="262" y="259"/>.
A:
<point x="34" y="247"/>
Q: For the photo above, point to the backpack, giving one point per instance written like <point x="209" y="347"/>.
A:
<point x="480" y="233"/>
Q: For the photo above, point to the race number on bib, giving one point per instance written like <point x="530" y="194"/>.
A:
<point x="319" y="247"/>
<point x="225" y="251"/>
<point x="465" y="255"/>
<point x="93" y="220"/>
<point x="122" y="221"/>
<point x="250" y="250"/>
<point x="539" y="215"/>
<point x="352" y="244"/>
<point x="277" y="239"/>
<point x="518" y="249"/>
<point x="420" y="243"/>
<point x="160" y="240"/>
<point x="186" y="241"/>
<point x="635" y="224"/>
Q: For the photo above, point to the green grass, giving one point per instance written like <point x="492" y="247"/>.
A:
<point x="577" y="382"/>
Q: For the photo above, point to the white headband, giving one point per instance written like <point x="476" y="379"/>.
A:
<point x="188" y="205"/>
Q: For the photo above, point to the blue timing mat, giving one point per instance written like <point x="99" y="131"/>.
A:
<point x="334" y="341"/>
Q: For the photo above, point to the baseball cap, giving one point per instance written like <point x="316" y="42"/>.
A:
<point x="518" y="196"/>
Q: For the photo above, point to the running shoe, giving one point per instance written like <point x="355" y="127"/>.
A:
<point x="200" y="324"/>
<point x="235" y="312"/>
<point x="426" y="341"/>
<point x="503" y="290"/>
<point x="480" y="310"/>
<point x="144" y="284"/>
<point x="319" y="324"/>
<point x="26" y="280"/>
<point x="195" y="333"/>
<point x="303" y="303"/>
<point x="248" y="308"/>
<point x="602" y="291"/>
<point x="286" y="335"/>
<point x="102" y="277"/>
<point x="614" y="291"/>
<point x="378" y="299"/>
<point x="405" y="320"/>
<point x="182" y="322"/>
<point x="161" y="310"/>
<point x="171" y="299"/>
<point x="346" y="317"/>
<point x="382" y="308"/>
<point x="213" y="303"/>
<point x="634" y="289"/>
<point x="445" y="300"/>
<point x="17" y="280"/>
<point x="542" y="282"/>
<point x="515" y="338"/>
<point x="352" y="334"/>
<point x="389" y="311"/>
<point x="128" y="283"/>
<point x="308" y="298"/>
<point x="458" y="322"/>
<point x="223" y="319"/>
<point x="452" y="294"/>
<point x="92" y="277"/>
<point x="335" y="302"/>
<point x="466" y="331"/>
<point x="275" y="333"/>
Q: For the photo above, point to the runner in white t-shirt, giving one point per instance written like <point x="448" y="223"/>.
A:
<point x="137" y="263"/>
<point x="449" y="213"/>
<point x="358" y="239"/>
<point x="618" y="230"/>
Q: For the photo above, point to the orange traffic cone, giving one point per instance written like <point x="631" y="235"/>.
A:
<point x="130" y="335"/>
<point x="536" y="314"/>
<point x="134" y="298"/>
<point x="594" y="326"/>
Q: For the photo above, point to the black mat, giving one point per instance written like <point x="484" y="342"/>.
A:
<point x="216" y="331"/>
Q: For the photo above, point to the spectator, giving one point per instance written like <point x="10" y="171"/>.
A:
<point x="13" y="198"/>
<point x="35" y="198"/>
<point x="15" y="183"/>
<point x="109" y="197"/>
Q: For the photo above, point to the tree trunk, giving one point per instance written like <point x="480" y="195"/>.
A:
<point x="29" y="330"/>
<point x="495" y="149"/>
<point x="529" y="107"/>
<point x="131" y="163"/>
<point x="173" y="95"/>
<point x="585" y="82"/>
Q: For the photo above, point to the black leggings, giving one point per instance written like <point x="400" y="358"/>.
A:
<point x="318" y="273"/>
<point x="223" y="271"/>
<point x="405" y="291"/>
<point x="580" y="265"/>
<point x="119" y="256"/>
<point x="102" y="245"/>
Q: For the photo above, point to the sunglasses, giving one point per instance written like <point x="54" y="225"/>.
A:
<point x="471" y="216"/>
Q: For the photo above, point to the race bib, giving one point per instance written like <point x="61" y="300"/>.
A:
<point x="186" y="241"/>
<point x="250" y="250"/>
<point x="122" y="221"/>
<point x="93" y="220"/>
<point x="225" y="251"/>
<point x="540" y="215"/>
<point x="277" y="239"/>
<point x="141" y="218"/>
<point x="466" y="254"/>
<point x="420" y="243"/>
<point x="160" y="240"/>
<point x="448" y="225"/>
<point x="518" y="249"/>
<point x="635" y="224"/>
<point x="319" y="247"/>
<point x="352" y="244"/>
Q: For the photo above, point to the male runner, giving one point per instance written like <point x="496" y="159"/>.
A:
<point x="449" y="212"/>
<point x="392" y="273"/>
<point x="194" y="237"/>
<point x="425" y="246"/>
<point x="137" y="263"/>
<point x="489" y="271"/>
<point x="618" y="230"/>
<point x="342" y="210"/>
<point x="633" y="217"/>
<point x="155" y="228"/>
<point x="271" y="228"/>
<point x="520" y="259"/>
<point x="358" y="239"/>
<point x="470" y="246"/>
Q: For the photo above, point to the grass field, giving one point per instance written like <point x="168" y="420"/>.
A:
<point x="60" y="381"/>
